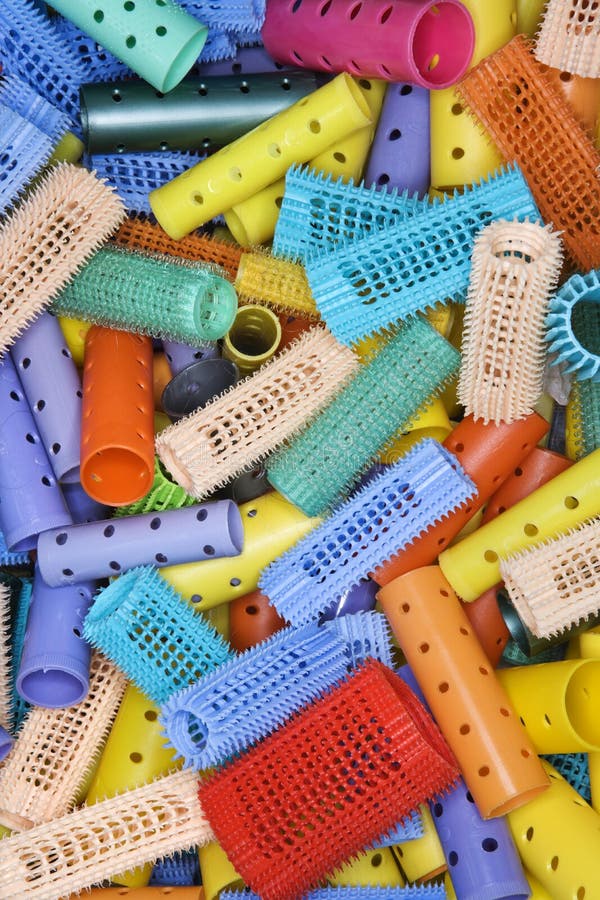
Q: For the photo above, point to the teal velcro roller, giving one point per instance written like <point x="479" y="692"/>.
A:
<point x="151" y="294"/>
<point x="320" y="465"/>
<point x="157" y="39"/>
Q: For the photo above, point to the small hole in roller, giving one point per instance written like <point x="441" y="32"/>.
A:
<point x="161" y="31"/>
<point x="274" y="150"/>
<point x="483" y="771"/>
<point x="196" y="598"/>
<point x="490" y="556"/>
<point x="339" y="157"/>
<point x="530" y="529"/>
<point x="30" y="438"/>
<point x="252" y="513"/>
<point x="314" y="126"/>
<point x="385" y="15"/>
<point x="529" y="834"/>
<point x="504" y="711"/>
<point x="98" y="16"/>
<point x="61" y="539"/>
<point x="68" y="573"/>
<point x="209" y="550"/>
<point x="571" y="502"/>
<point x="252" y="610"/>
<point x="202" y="515"/>
<point x="325" y="8"/>
<point x="244" y="87"/>
<point x="130" y="41"/>
<point x="395" y="134"/>
<point x="457" y="109"/>
<point x="151" y="715"/>
<point x="453" y="857"/>
<point x="135" y="757"/>
<point x="47" y="481"/>
<point x="405" y="607"/>
<point x="77" y="632"/>
<point x="489" y="844"/>
<point x="464" y="729"/>
<point x="114" y="565"/>
<point x="155" y="523"/>
<point x="235" y="582"/>
<point x="129" y="6"/>
<point x="55" y="448"/>
<point x="424" y="647"/>
<point x="443" y="687"/>
<point x="464" y="630"/>
<point x="161" y="558"/>
<point x="26" y="362"/>
<point x="376" y="859"/>
<point x="235" y="174"/>
<point x="458" y="153"/>
<point x="554" y="863"/>
<point x="109" y="531"/>
<point x="355" y="11"/>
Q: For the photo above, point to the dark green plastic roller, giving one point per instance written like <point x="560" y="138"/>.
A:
<point x="199" y="114"/>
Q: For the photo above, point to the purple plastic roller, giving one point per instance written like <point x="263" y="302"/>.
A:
<point x="360" y="598"/>
<point x="248" y="61"/>
<point x="55" y="663"/>
<point x="101" y="549"/>
<point x="31" y="498"/>
<point x="180" y="356"/>
<point x="82" y="507"/>
<point x="400" y="155"/>
<point x="53" y="390"/>
<point x="6" y="743"/>
<point x="482" y="859"/>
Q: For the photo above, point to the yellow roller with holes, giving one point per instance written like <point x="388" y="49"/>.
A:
<point x="430" y="422"/>
<point x="472" y="566"/>
<point x="558" y="838"/>
<point x="422" y="858"/>
<point x="217" y="871"/>
<point x="74" y="332"/>
<point x="371" y="868"/>
<point x="260" y="157"/>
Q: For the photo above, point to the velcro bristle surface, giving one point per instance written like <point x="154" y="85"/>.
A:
<point x="366" y="634"/>
<point x="28" y="103"/>
<point x="135" y="175"/>
<point x="5" y="652"/>
<point x="360" y="892"/>
<point x="277" y="283"/>
<point x="164" y="494"/>
<point x="585" y="416"/>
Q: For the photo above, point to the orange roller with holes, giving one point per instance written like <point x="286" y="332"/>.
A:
<point x="252" y="619"/>
<point x="117" y="433"/>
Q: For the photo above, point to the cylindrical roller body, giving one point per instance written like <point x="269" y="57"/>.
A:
<point x="53" y="390"/>
<point x="180" y="356"/>
<point x="515" y="268"/>
<point x="200" y="113"/>
<point x="538" y="467"/>
<point x="253" y="339"/>
<point x="217" y="871"/>
<point x="473" y="565"/>
<point x="6" y="743"/>
<point x="157" y="638"/>
<point x="260" y="157"/>
<point x="55" y="662"/>
<point x="488" y="624"/>
<point x="117" y="437"/>
<point x="496" y="757"/>
<point x="399" y="156"/>
<point x="422" y="858"/>
<point x="160" y="41"/>
<point x="571" y="326"/>
<point x="252" y="620"/>
<point x="154" y="892"/>
<point x="109" y="547"/>
<point x="153" y="295"/>
<point x="482" y="858"/>
<point x="82" y="507"/>
<point x="557" y="703"/>
<point x="31" y="498"/>
<point x="278" y="283"/>
<point x="419" y="41"/>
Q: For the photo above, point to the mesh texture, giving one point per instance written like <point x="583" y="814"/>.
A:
<point x="341" y="772"/>
<point x="91" y="844"/>
<point x="98" y="64"/>
<point x="366" y="634"/>
<point x="575" y="769"/>
<point x="55" y="751"/>
<point x="25" y="100"/>
<point x="557" y="583"/>
<point x="23" y="150"/>
<point x="370" y="283"/>
<point x="277" y="283"/>
<point x="531" y="122"/>
<point x="514" y="268"/>
<point x="9" y="558"/>
<point x="135" y="175"/>
<point x="242" y="426"/>
<point x="180" y="869"/>
<point x="569" y="37"/>
<point x="19" y="626"/>
<point x="163" y="494"/>
<point x="360" y="892"/>
<point x="319" y="467"/>
<point x="153" y="635"/>
<point x="43" y="244"/>
<point x="379" y="520"/>
<point x="573" y="326"/>
<point x="5" y="653"/>
<point x="585" y="421"/>
<point x="319" y="211"/>
<point x="153" y="295"/>
<point x="138" y="233"/>
<point x="246" y="16"/>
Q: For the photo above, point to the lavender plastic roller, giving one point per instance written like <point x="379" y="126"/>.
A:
<point x="55" y="663"/>
<point x="53" y="389"/>
<point x="360" y="598"/>
<point x="31" y="500"/>
<point x="82" y="507"/>
<point x="482" y="859"/>
<point x="248" y="61"/>
<point x="6" y="743"/>
<point x="400" y="155"/>
<point x="180" y="356"/>
<point x="100" y="549"/>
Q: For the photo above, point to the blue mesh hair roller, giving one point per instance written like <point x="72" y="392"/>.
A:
<point x="134" y="175"/>
<point x="574" y="768"/>
<point x="24" y="100"/>
<point x="182" y="868"/>
<point x="24" y="149"/>
<point x="362" y="892"/>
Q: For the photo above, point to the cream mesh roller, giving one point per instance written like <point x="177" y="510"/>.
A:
<point x="569" y="37"/>
<point x="91" y="844"/>
<point x="557" y="583"/>
<point x="68" y="216"/>
<point x="239" y="428"/>
<point x="56" y="749"/>
<point x="515" y="267"/>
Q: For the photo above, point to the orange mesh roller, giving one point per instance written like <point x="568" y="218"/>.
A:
<point x="117" y="432"/>
<point x="140" y="234"/>
<point x="496" y="757"/>
<point x="488" y="454"/>
<point x="532" y="123"/>
<point x="252" y="619"/>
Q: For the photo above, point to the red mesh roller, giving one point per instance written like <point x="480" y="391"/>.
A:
<point x="330" y="781"/>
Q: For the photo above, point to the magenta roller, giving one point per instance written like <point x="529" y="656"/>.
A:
<point x="424" y="42"/>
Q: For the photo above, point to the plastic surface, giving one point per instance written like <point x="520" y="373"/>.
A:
<point x="399" y="154"/>
<point x="425" y="43"/>
<point x="180" y="356"/>
<point x="180" y="869"/>
<point x="134" y="175"/>
<point x="252" y="620"/>
<point x="53" y="389"/>
<point x="495" y="754"/>
<point x="568" y="38"/>
<point x="260" y="157"/>
<point x="253" y="338"/>
<point x="423" y="857"/>
<point x="537" y="468"/>
<point x="159" y="41"/>
<point x="111" y="546"/>
<point x="201" y="113"/>
<point x="197" y="385"/>
<point x="278" y="283"/>
<point x="28" y="103"/>
<point x="6" y="743"/>
<point x="218" y="874"/>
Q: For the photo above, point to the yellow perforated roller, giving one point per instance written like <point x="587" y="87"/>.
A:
<point x="218" y="873"/>
<point x="422" y="858"/>
<point x="260" y="157"/>
<point x="74" y="332"/>
<point x="472" y="566"/>
<point x="430" y="422"/>
<point x="371" y="868"/>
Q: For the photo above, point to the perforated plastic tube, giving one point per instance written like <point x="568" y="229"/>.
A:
<point x="260" y="157"/>
<point x="159" y="41"/>
<point x="100" y="549"/>
<point x="399" y="156"/>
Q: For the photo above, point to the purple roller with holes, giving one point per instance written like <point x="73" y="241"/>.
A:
<point x="180" y="356"/>
<point x="53" y="389"/>
<point x="100" y="549"/>
<point x="247" y="61"/>
<point x="55" y="663"/>
<point x="400" y="152"/>
<point x="6" y="743"/>
<point x="30" y="498"/>
<point x="360" y="598"/>
<point x="82" y="507"/>
<point x="482" y="859"/>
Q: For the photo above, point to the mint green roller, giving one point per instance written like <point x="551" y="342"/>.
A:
<point x="320" y="466"/>
<point x="151" y="294"/>
<point x="158" y="39"/>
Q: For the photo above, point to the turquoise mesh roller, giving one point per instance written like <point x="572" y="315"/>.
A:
<point x="157" y="39"/>
<point x="7" y="558"/>
<point x="370" y="283"/>
<point x="164" y="494"/>
<point x="379" y="520"/>
<point x="162" y="296"/>
<point x="319" y="212"/>
<point x="135" y="175"/>
<point x="24" y="100"/>
<point x="362" y="892"/>
<point x="575" y="769"/>
<point x="20" y="707"/>
<point x="573" y="323"/>
<point x="151" y="633"/>
<point x="24" y="149"/>
<point x="321" y="464"/>
<point x="585" y="399"/>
